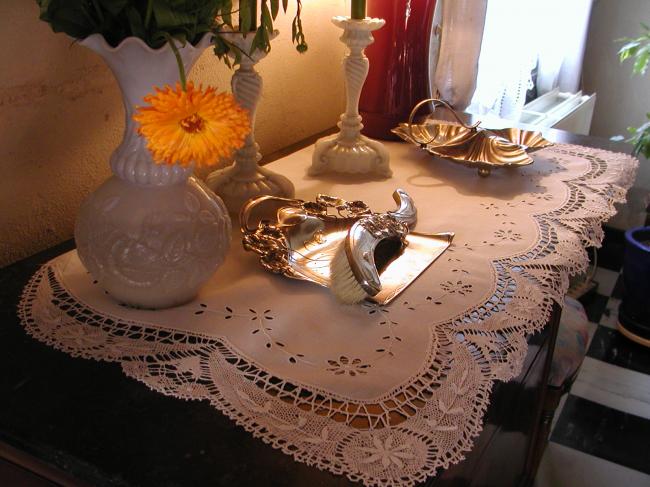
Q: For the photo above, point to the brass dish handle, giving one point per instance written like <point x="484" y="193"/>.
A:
<point x="247" y="209"/>
<point x="436" y="103"/>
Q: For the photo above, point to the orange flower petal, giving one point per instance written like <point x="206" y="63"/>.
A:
<point x="192" y="126"/>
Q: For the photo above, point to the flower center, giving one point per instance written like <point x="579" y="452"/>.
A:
<point x="192" y="124"/>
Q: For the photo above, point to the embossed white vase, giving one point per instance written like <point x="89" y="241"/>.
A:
<point x="151" y="235"/>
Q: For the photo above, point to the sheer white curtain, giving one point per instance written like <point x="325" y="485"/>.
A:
<point x="460" y="44"/>
<point x="522" y="34"/>
<point x="562" y="45"/>
<point x="508" y="55"/>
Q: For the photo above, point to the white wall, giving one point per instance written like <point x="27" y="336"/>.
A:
<point x="61" y="114"/>
<point x="623" y="99"/>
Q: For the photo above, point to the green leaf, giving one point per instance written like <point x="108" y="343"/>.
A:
<point x="642" y="58"/>
<point x="98" y="10"/>
<point x="184" y="20"/>
<point x="245" y="20"/>
<point x="114" y="7"/>
<point x="226" y="12"/>
<point x="136" y="23"/>
<point x="640" y="137"/>
<point x="76" y="20"/>
<point x="628" y="50"/>
<point x="267" y="42"/>
<point x="637" y="49"/>
<point x="267" y="20"/>
<point x="258" y="40"/>
<point x="168" y="18"/>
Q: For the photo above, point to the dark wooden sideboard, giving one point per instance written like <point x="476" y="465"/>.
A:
<point x="79" y="422"/>
<point x="70" y="421"/>
<point x="503" y="452"/>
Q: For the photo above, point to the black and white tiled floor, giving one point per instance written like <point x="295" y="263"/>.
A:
<point x="601" y="435"/>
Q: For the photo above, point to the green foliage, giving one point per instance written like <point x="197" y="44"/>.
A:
<point x="262" y="30"/>
<point x="638" y="49"/>
<point x="155" y="21"/>
<point x="150" y="20"/>
<point x="641" y="138"/>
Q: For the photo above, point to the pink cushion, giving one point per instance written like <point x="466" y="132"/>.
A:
<point x="571" y="343"/>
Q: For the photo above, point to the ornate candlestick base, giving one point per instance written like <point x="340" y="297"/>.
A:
<point x="245" y="179"/>
<point x="349" y="152"/>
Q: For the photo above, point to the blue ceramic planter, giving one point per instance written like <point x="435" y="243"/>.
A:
<point x="634" y="314"/>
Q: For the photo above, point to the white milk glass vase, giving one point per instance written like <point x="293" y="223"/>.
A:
<point x="151" y="235"/>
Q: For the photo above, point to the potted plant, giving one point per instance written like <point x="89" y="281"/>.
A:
<point x="634" y="312"/>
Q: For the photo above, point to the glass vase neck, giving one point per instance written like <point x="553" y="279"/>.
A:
<point x="138" y="68"/>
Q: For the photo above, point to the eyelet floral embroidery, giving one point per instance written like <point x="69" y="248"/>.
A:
<point x="328" y="424"/>
<point x="457" y="287"/>
<point x="507" y="235"/>
<point x="344" y="366"/>
<point x="262" y="328"/>
<point x="391" y="338"/>
<point x="541" y="197"/>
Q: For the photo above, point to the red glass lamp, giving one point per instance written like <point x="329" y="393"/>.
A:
<point x="399" y="64"/>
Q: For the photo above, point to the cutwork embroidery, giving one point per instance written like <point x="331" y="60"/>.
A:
<point x="470" y="330"/>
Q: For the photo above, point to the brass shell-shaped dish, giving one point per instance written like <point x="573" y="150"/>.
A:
<point x="483" y="149"/>
<point x="471" y="145"/>
<point x="531" y="140"/>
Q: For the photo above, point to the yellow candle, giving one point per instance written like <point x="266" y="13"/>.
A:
<point x="358" y="9"/>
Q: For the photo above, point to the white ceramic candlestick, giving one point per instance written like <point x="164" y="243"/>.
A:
<point x="245" y="179"/>
<point x="349" y="152"/>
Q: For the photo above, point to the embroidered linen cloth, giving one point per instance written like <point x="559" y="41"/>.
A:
<point x="383" y="395"/>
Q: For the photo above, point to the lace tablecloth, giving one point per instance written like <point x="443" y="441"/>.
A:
<point x="384" y="395"/>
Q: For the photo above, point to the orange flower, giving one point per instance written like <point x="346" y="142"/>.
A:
<point x="192" y="125"/>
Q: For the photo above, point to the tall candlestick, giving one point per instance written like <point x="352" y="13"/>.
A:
<point x="245" y="179"/>
<point x="349" y="152"/>
<point x="358" y="11"/>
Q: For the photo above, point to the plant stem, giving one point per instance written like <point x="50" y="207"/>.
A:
<point x="179" y="61"/>
<point x="147" y="17"/>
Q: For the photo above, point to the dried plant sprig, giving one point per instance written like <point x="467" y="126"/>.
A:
<point x="248" y="16"/>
